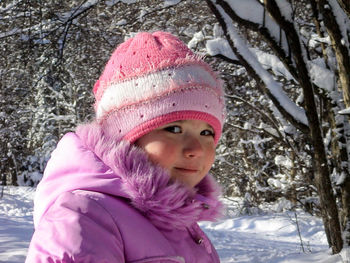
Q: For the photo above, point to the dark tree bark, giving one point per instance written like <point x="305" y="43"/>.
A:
<point x="324" y="186"/>
<point x="297" y="65"/>
<point x="341" y="51"/>
<point x="250" y="69"/>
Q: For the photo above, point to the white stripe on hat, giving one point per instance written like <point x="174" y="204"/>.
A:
<point x="152" y="85"/>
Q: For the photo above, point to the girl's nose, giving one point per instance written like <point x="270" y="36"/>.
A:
<point x="192" y="148"/>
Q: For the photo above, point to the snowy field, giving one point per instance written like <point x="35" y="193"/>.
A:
<point x="271" y="237"/>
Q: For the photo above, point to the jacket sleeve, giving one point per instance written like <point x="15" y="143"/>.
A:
<point x="76" y="228"/>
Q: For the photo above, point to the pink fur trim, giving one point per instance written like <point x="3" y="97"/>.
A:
<point x="166" y="204"/>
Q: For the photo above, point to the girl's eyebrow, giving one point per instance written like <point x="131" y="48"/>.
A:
<point x="175" y="122"/>
<point x="183" y="121"/>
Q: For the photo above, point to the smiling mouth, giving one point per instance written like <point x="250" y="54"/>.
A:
<point x="186" y="170"/>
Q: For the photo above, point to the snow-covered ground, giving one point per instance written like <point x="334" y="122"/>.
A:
<point x="271" y="237"/>
<point x="16" y="223"/>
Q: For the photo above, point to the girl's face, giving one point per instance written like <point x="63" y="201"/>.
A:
<point x="186" y="148"/>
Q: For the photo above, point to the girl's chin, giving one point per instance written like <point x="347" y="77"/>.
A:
<point x="186" y="181"/>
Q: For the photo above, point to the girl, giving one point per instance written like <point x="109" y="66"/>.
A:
<point x="132" y="185"/>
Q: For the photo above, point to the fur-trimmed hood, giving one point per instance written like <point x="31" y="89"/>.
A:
<point x="89" y="160"/>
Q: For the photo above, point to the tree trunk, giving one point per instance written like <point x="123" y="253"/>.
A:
<point x="339" y="150"/>
<point x="328" y="204"/>
<point x="345" y="216"/>
<point x="345" y="4"/>
<point x="327" y="201"/>
<point x="323" y="183"/>
<point x="341" y="51"/>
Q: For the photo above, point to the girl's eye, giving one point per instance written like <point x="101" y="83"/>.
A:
<point x="173" y="129"/>
<point x="207" y="133"/>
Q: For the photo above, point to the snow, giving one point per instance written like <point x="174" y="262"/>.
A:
<point x="68" y="15"/>
<point x="168" y="3"/>
<point x="269" y="237"/>
<point x="322" y="77"/>
<point x="286" y="9"/>
<point x="245" y="9"/>
<point x="342" y="20"/>
<point x="253" y="11"/>
<point x="272" y="62"/>
<point x="273" y="86"/>
<point x="345" y="111"/>
<point x="16" y="223"/>
<point x="219" y="46"/>
<point x="113" y="2"/>
<point x="283" y="161"/>
<point x="121" y="22"/>
<point x="197" y="37"/>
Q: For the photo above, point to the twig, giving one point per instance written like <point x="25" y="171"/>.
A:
<point x="298" y="229"/>
<point x="3" y="184"/>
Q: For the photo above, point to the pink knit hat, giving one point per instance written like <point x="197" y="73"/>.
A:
<point x="153" y="79"/>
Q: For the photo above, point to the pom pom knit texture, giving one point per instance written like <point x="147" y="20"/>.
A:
<point x="153" y="79"/>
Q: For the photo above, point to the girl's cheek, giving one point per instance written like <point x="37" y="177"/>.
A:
<point x="211" y="154"/>
<point x="162" y="152"/>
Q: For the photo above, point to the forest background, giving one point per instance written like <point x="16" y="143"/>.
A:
<point x="285" y="65"/>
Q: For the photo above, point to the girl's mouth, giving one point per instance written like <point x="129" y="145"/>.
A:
<point x="186" y="170"/>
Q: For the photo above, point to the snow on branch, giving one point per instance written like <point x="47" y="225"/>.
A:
<point x="343" y="21"/>
<point x="337" y="24"/>
<point x="82" y="8"/>
<point x="49" y="25"/>
<point x="221" y="48"/>
<point x="283" y="103"/>
<point x="252" y="15"/>
<point x="274" y="131"/>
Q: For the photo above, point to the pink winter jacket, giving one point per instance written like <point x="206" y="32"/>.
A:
<point x="105" y="202"/>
